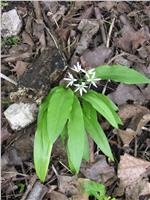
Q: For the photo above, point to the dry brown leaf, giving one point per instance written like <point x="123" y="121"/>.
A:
<point x="126" y="135"/>
<point x="132" y="39"/>
<point x="96" y="57"/>
<point x="27" y="39"/>
<point x="107" y="4"/>
<point x="14" y="58"/>
<point x="88" y="28"/>
<point x="87" y="13"/>
<point x="131" y="168"/>
<point x="100" y="171"/>
<point x="20" y="67"/>
<point x="56" y="196"/>
<point x="124" y="93"/>
<point x="68" y="185"/>
<point x="133" y="174"/>
<point x="73" y="187"/>
<point x="128" y="111"/>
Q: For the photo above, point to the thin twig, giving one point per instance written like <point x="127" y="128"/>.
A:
<point x="146" y="129"/>
<point x="8" y="79"/>
<point x="64" y="166"/>
<point x="53" y="38"/>
<point x="109" y="33"/>
<point x="105" y="87"/>
<point x="55" y="171"/>
<point x="116" y="56"/>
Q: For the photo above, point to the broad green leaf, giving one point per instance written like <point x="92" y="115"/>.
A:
<point x="59" y="109"/>
<point x="76" y="135"/>
<point x="42" y="145"/>
<point x="86" y="153"/>
<point x="93" y="127"/>
<point x="121" y="74"/>
<point x="100" y="105"/>
<point x="64" y="134"/>
<point x="114" y="107"/>
<point x="111" y="105"/>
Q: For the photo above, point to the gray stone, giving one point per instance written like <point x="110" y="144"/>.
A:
<point x="11" y="23"/>
<point x="20" y="115"/>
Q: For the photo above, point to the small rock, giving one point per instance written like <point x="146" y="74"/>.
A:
<point x="11" y="23"/>
<point x="20" y="115"/>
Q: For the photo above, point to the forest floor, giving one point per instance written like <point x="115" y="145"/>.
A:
<point x="92" y="33"/>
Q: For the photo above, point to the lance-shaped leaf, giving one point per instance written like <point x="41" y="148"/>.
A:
<point x="121" y="74"/>
<point x="101" y="106"/>
<point x="86" y="152"/>
<point x="111" y="105"/>
<point x="94" y="129"/>
<point x="59" y="109"/>
<point x="76" y="135"/>
<point x="42" y="145"/>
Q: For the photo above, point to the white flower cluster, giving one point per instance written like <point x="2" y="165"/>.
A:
<point x="82" y="80"/>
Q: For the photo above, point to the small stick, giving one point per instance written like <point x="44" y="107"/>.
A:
<point x="55" y="171"/>
<point x="64" y="166"/>
<point x="8" y="79"/>
<point x="53" y="38"/>
<point x="105" y="87"/>
<point x="109" y="33"/>
<point x="116" y="56"/>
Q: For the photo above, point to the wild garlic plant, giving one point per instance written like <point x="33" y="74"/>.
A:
<point x="70" y="112"/>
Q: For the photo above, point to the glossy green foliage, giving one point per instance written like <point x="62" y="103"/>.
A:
<point x="93" y="127"/>
<point x="121" y="74"/>
<point x="76" y="135"/>
<point x="96" y="190"/>
<point x="74" y="119"/>
<point x="102" y="105"/>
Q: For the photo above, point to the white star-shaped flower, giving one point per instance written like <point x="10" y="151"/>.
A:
<point x="81" y="88"/>
<point x="91" y="77"/>
<point x="70" y="79"/>
<point x="78" y="68"/>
